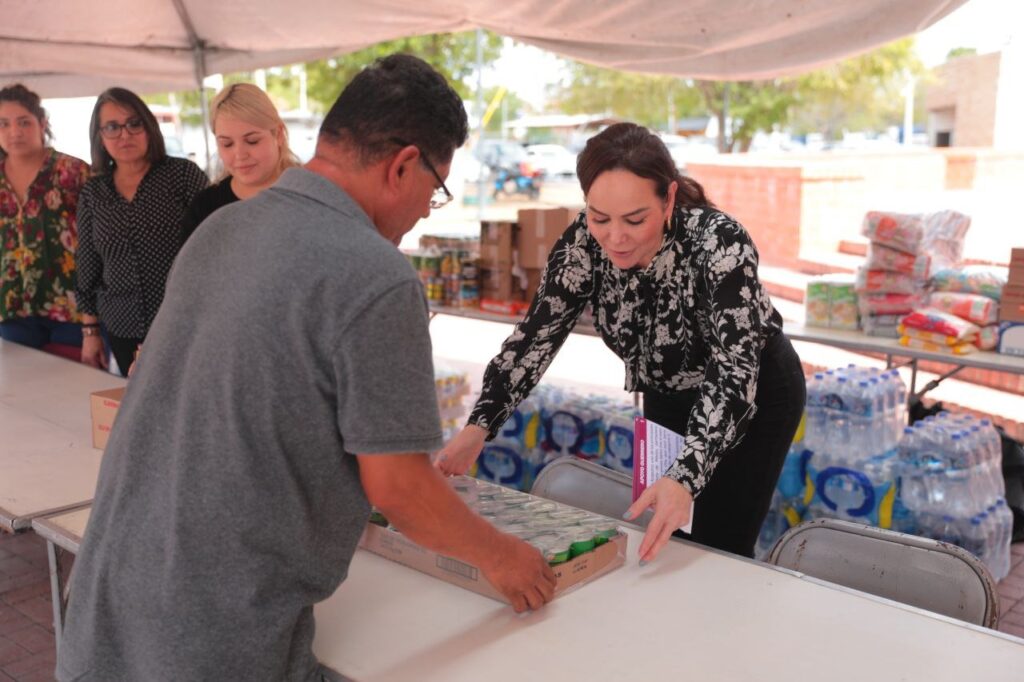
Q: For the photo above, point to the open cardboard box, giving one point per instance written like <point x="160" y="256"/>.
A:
<point x="103" y="406"/>
<point x="392" y="545"/>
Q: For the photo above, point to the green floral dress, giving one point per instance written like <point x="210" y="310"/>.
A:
<point x="39" y="238"/>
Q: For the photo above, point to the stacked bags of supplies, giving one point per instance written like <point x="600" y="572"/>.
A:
<point x="905" y="250"/>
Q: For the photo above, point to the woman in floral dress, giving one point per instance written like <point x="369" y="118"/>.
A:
<point x="38" y="199"/>
<point x="674" y="288"/>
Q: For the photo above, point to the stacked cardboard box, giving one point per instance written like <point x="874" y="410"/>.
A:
<point x="103" y="405"/>
<point x="1011" y="307"/>
<point x="513" y="254"/>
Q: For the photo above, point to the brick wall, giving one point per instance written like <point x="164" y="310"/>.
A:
<point x="968" y="85"/>
<point x="764" y="198"/>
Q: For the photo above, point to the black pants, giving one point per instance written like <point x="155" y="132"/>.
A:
<point x="729" y="511"/>
<point x="124" y="351"/>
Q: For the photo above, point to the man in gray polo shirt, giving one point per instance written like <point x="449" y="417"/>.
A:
<point x="286" y="385"/>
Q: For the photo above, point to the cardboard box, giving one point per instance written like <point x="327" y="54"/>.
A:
<point x="1011" y="307"/>
<point x="533" y="279"/>
<point x="103" y="406"/>
<point x="1015" y="275"/>
<point x="539" y="229"/>
<point x="1011" y="338"/>
<point x="499" y="284"/>
<point x="392" y="545"/>
<point x="497" y="243"/>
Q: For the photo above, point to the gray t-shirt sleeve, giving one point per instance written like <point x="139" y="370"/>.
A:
<point x="385" y="377"/>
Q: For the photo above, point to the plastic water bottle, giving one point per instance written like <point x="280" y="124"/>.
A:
<point x="817" y="421"/>
<point x="973" y="537"/>
<point x="1004" y="518"/>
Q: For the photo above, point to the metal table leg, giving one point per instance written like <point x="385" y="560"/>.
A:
<point x="56" y="591"/>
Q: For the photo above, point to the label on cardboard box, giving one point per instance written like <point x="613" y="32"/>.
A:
<point x="104" y="405"/>
<point x="1011" y="338"/>
<point x="392" y="545"/>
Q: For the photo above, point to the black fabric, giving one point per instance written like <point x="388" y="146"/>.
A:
<point x="124" y="351"/>
<point x="126" y="248"/>
<point x="730" y="509"/>
<point x="205" y="203"/>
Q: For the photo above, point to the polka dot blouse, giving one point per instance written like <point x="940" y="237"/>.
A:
<point x="126" y="248"/>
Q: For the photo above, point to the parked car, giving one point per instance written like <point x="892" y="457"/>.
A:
<point x="554" y="159"/>
<point x="496" y="154"/>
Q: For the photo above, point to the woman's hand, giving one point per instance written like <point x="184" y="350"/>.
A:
<point x="458" y="456"/>
<point x="671" y="503"/>
<point x="135" y="361"/>
<point x="93" y="352"/>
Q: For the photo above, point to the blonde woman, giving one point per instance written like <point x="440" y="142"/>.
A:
<point x="252" y="142"/>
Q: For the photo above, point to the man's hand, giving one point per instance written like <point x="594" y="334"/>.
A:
<point x="520" y="572"/>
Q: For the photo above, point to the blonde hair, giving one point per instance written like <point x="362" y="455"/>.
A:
<point x="248" y="103"/>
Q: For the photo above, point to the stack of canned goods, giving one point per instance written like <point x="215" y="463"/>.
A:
<point x="449" y="276"/>
<point x="560" y="532"/>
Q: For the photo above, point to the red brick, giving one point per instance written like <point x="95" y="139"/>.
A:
<point x="44" y="660"/>
<point x="35" y="639"/>
<point x="17" y="622"/>
<point x="15" y="565"/>
<point x="37" y="609"/>
<point x="10" y="652"/>
<point x="41" y="588"/>
<point x="8" y="584"/>
<point x="1015" y="617"/>
<point x="38" y="676"/>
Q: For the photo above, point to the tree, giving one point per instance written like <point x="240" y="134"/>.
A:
<point x="453" y="54"/>
<point x="961" y="52"/>
<point x="648" y="100"/>
<point x="745" y="108"/>
<point x="862" y="92"/>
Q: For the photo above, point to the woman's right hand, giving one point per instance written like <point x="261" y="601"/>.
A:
<point x="458" y="456"/>
<point x="93" y="352"/>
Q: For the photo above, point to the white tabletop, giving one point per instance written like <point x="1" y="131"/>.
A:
<point x="64" y="530"/>
<point x="691" y="615"/>
<point x="47" y="462"/>
<point x="859" y="341"/>
<point x="839" y="338"/>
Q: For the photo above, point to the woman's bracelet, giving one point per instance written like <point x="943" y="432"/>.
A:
<point x="90" y="325"/>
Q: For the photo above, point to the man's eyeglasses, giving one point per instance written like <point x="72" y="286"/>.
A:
<point x="112" y="130"/>
<point x="442" y="197"/>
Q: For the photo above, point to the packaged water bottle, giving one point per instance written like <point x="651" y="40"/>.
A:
<point x="948" y="531"/>
<point x="973" y="536"/>
<point x="817" y="420"/>
<point x="1004" y="518"/>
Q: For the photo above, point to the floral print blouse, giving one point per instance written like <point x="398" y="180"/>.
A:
<point x="696" y="318"/>
<point x="39" y="237"/>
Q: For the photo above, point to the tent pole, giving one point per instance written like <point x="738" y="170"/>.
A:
<point x="204" y="106"/>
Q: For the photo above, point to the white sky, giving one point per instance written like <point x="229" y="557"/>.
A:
<point x="986" y="25"/>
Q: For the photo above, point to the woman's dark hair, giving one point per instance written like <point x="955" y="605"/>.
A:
<point x="636" y="149"/>
<point x="398" y="100"/>
<point x="126" y="99"/>
<point x="19" y="94"/>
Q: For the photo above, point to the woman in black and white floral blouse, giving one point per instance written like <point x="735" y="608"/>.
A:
<point x="674" y="287"/>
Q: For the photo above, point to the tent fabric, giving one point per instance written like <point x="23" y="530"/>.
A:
<point x="71" y="47"/>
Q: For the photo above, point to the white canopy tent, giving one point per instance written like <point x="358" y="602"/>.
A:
<point x="75" y="47"/>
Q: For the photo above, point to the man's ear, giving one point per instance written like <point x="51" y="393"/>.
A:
<point x="400" y="165"/>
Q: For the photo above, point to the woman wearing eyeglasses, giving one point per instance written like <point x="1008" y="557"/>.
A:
<point x="129" y="221"/>
<point x="252" y="143"/>
<point x="39" y="190"/>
